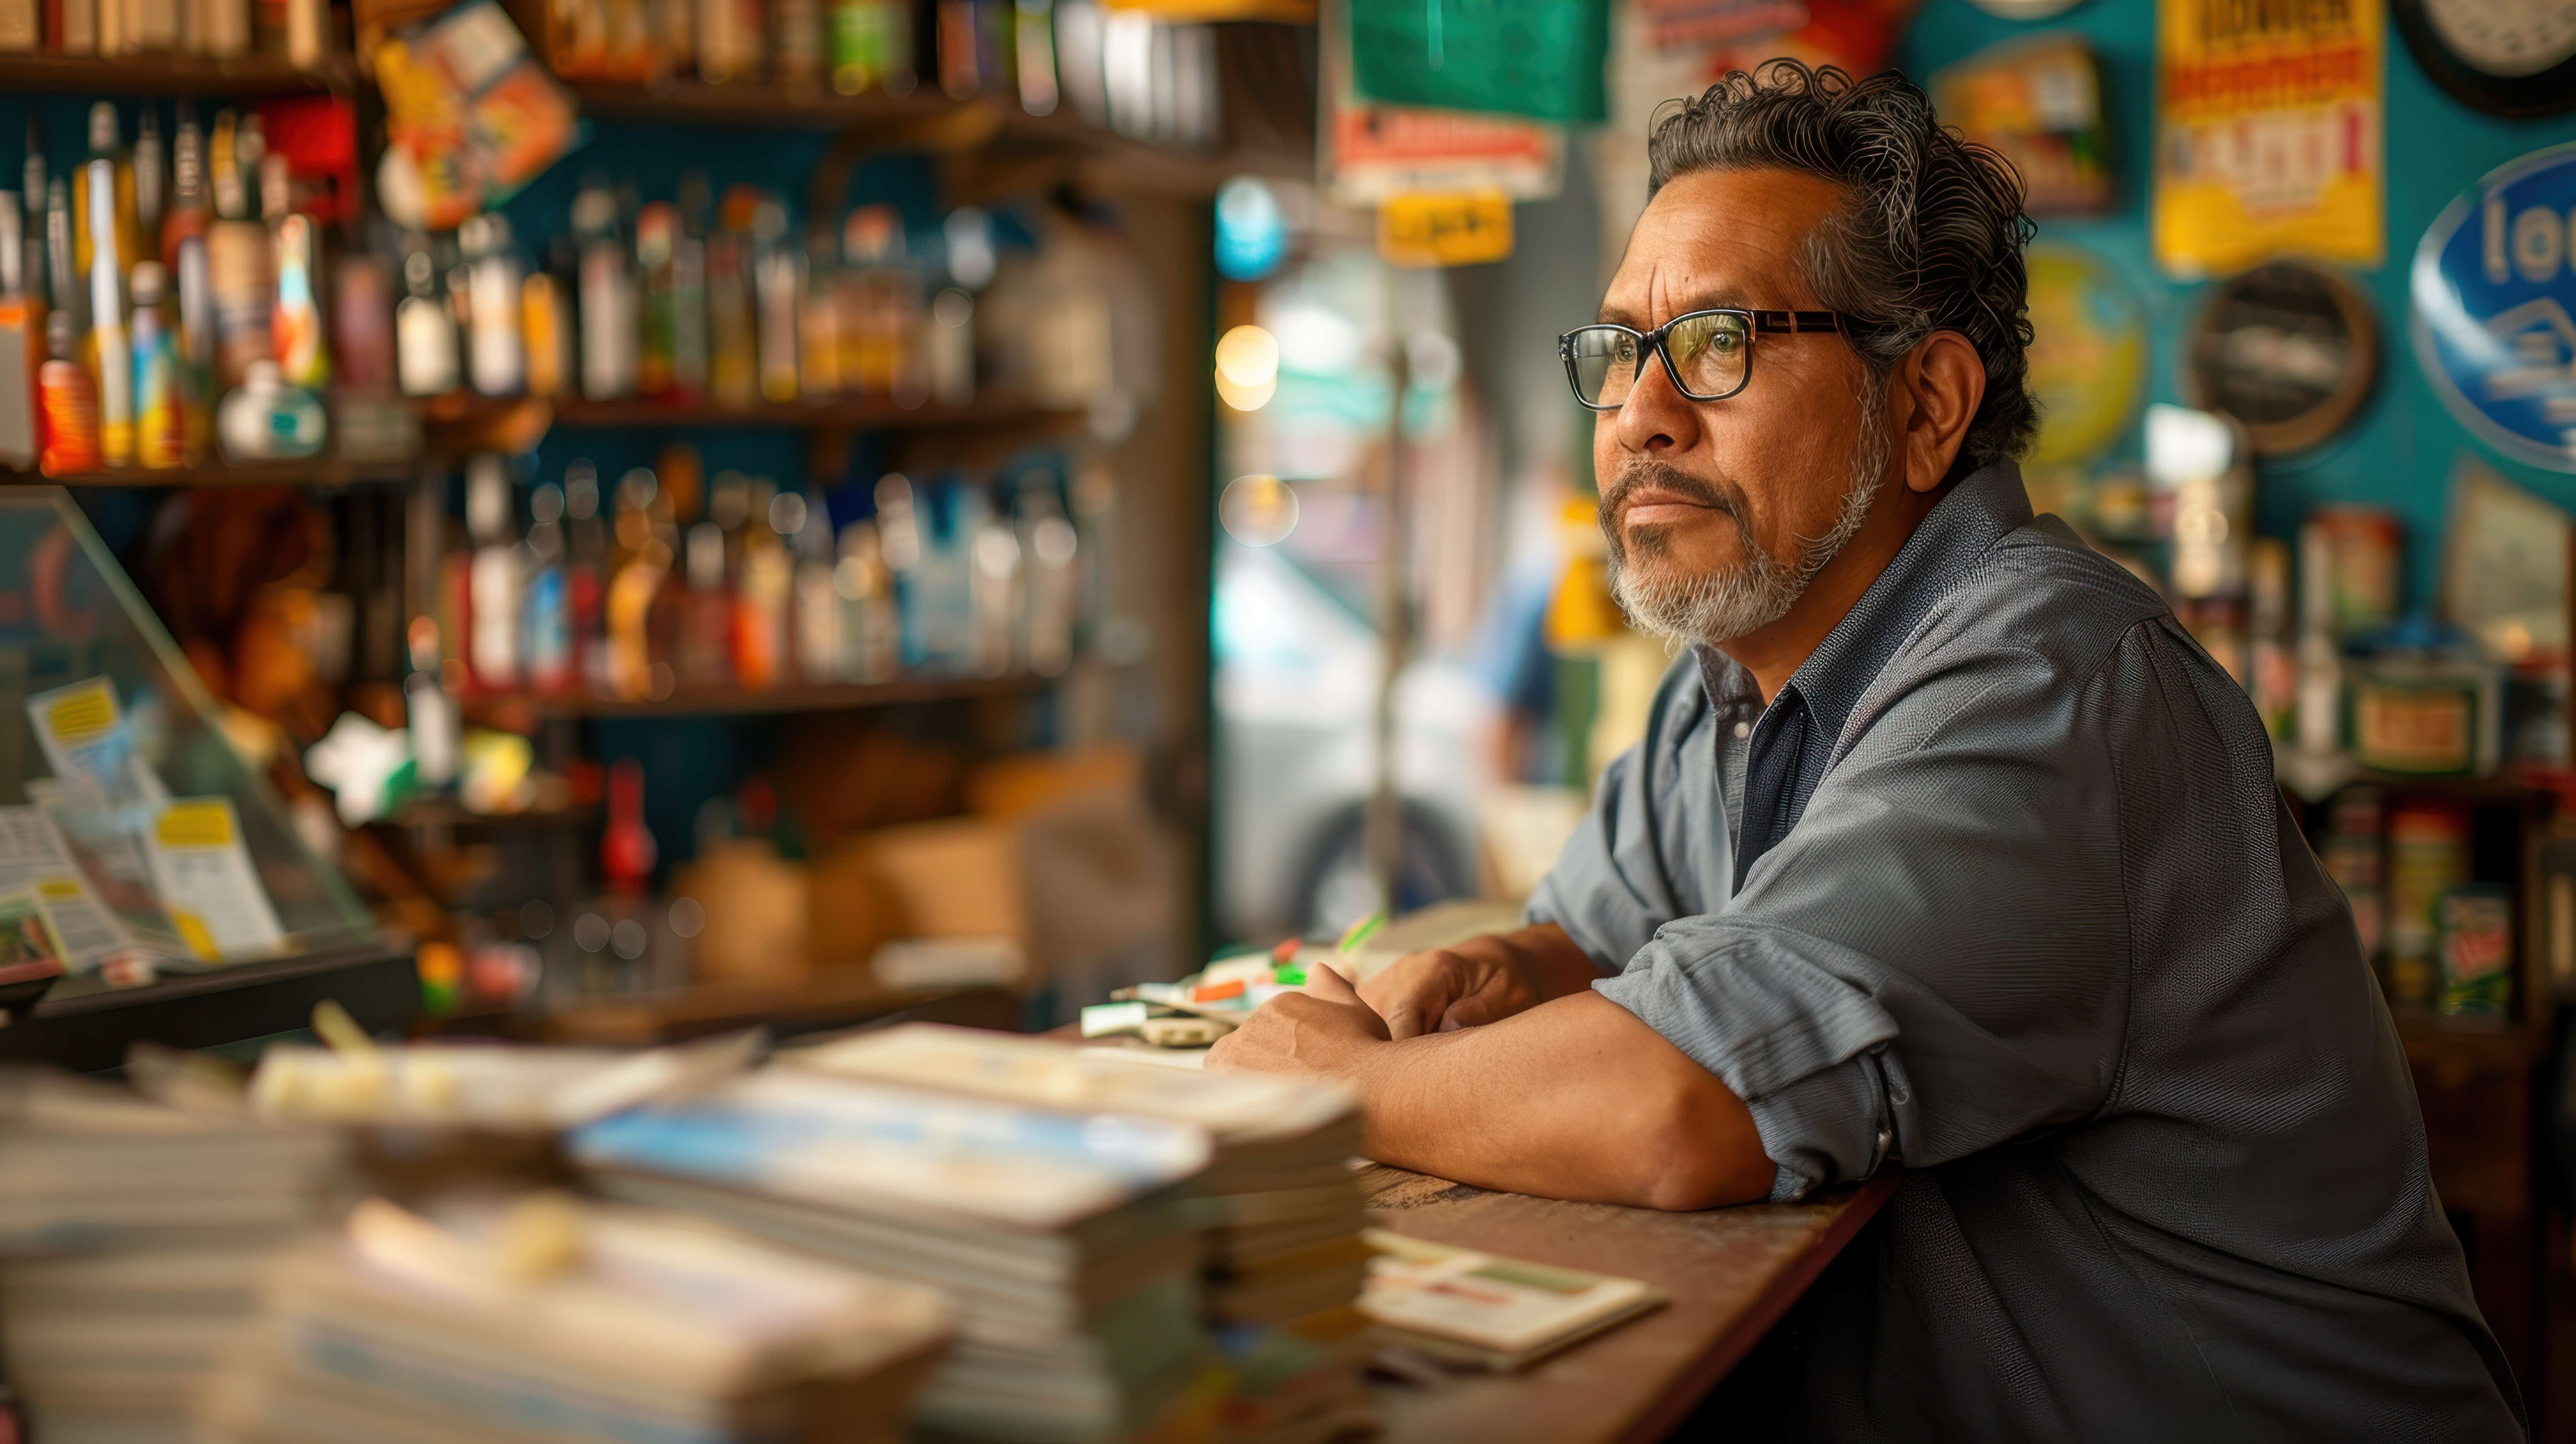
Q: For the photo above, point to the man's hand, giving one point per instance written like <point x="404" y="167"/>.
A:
<point x="1479" y="981"/>
<point x="1323" y="1032"/>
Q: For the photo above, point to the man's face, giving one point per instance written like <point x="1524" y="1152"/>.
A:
<point x="1717" y="512"/>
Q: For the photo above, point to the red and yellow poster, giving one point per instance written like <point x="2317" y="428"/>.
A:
<point x="2268" y="141"/>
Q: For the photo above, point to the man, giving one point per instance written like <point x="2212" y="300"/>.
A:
<point x="1945" y="848"/>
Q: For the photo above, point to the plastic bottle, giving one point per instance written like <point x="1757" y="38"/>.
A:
<point x="67" y="397"/>
<point x="160" y="413"/>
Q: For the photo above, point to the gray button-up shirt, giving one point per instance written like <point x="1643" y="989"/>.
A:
<point x="2009" y="898"/>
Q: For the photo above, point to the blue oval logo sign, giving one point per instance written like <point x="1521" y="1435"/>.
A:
<point x="2495" y="308"/>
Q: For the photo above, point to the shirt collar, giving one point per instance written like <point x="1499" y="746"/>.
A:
<point x="1981" y="509"/>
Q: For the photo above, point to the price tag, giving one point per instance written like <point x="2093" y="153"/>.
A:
<point x="1462" y="229"/>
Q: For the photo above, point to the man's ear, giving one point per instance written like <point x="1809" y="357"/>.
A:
<point x="1939" y="386"/>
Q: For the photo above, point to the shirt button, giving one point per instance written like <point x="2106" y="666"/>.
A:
<point x="1743" y="729"/>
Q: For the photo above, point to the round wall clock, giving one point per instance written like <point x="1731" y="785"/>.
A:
<point x="2505" y="57"/>
<point x="2288" y="348"/>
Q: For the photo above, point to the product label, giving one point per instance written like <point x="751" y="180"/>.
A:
<point x="2406" y="730"/>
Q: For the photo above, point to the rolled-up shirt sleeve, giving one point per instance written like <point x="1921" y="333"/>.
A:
<point x="1933" y="960"/>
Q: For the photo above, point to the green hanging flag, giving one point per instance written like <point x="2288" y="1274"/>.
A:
<point x="1539" y="58"/>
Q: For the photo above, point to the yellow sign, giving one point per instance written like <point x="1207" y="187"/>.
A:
<point x="196" y="822"/>
<point x="2268" y="133"/>
<point x="1445" y="230"/>
<point x="82" y="713"/>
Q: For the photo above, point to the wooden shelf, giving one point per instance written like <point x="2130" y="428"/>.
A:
<point x="315" y="471"/>
<point x="446" y="812"/>
<point x="246" y="76"/>
<point x="854" y="413"/>
<point x="748" y="701"/>
<point x="928" y="120"/>
<point x="752" y="104"/>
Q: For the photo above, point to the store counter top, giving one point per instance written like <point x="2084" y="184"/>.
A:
<point x="1731" y="1272"/>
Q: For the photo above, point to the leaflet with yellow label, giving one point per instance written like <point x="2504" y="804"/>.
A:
<point x="33" y="859"/>
<point x="79" y="729"/>
<point x="208" y="887"/>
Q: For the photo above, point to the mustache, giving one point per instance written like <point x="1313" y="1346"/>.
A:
<point x="1642" y="474"/>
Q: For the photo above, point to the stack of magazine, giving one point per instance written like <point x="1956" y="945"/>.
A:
<point x="1067" y="1243"/>
<point x="533" y="1319"/>
<point x="1282" y="1209"/>
<point x="131" y="1237"/>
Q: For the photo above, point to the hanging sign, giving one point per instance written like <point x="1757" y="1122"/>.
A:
<point x="1372" y="151"/>
<point x="1445" y="230"/>
<point x="2268" y="135"/>
<point x="1539" y="58"/>
<point x="2494" y="289"/>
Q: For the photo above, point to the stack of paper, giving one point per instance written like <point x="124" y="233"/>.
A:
<point x="539" y="1320"/>
<point x="130" y="1237"/>
<point x="1066" y="1242"/>
<point x="1482" y="1311"/>
<point x="1283" y="1211"/>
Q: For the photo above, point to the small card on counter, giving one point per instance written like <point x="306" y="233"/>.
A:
<point x="1488" y="1312"/>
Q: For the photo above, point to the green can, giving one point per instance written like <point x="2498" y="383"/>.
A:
<point x="2476" y="950"/>
<point x="872" y="46"/>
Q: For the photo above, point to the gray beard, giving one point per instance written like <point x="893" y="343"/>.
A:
<point x="1731" y="602"/>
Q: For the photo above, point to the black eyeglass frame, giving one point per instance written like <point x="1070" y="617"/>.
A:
<point x="1757" y="323"/>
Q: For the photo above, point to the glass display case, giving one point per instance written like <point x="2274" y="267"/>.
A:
<point x="152" y="883"/>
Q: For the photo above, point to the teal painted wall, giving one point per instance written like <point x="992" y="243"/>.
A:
<point x="2399" y="453"/>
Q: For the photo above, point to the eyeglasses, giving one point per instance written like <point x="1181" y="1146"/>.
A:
<point x="1707" y="354"/>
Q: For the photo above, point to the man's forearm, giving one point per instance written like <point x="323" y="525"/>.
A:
<point x="1573" y="1099"/>
<point x="1548" y="956"/>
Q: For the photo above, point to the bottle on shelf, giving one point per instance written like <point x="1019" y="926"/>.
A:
<point x="1050" y="551"/>
<point x="806" y="522"/>
<point x="108" y="343"/>
<point x="33" y="176"/>
<point x="67" y="402"/>
<point x="689" y="351"/>
<point x="586" y="576"/>
<point x="546" y="646"/>
<point x="734" y="352"/>
<point x="425" y="350"/>
<point x="767" y="588"/>
<point x="237" y="257"/>
<point x="160" y="425"/>
<point x="183" y="252"/>
<point x="706" y="639"/>
<point x="868" y="636"/>
<point x="637" y="669"/>
<point x="872" y="46"/>
<point x="495" y="343"/>
<point x="778" y="283"/>
<point x="608" y="309"/>
<point x="295" y="323"/>
<point x="546" y="319"/>
<point x="818" y="318"/>
<point x="21" y="337"/>
<point x="657" y="239"/>
<point x="995" y="589"/>
<point x="496" y="579"/>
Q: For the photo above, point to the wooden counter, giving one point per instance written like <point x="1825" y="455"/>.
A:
<point x="1732" y="1272"/>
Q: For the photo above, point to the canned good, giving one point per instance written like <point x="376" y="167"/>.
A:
<point x="2476" y="950"/>
<point x="2428" y="855"/>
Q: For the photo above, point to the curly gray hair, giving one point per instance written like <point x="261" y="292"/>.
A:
<point x="1931" y="234"/>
